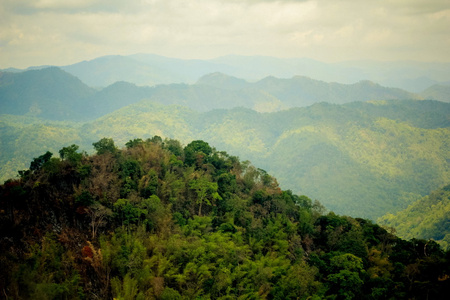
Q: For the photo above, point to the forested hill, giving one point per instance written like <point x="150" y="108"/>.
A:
<point x="157" y="220"/>
<point x="301" y="91"/>
<point x="437" y="92"/>
<point x="53" y="94"/>
<point x="49" y="93"/>
<point x="359" y="159"/>
<point x="427" y="217"/>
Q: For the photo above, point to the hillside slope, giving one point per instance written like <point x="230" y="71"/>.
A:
<point x="160" y="221"/>
<point x="437" y="92"/>
<point x="360" y="159"/>
<point x="428" y="217"/>
<point x="49" y="93"/>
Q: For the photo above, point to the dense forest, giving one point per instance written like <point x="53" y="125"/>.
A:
<point x="428" y="217"/>
<point x="362" y="159"/>
<point x="156" y="220"/>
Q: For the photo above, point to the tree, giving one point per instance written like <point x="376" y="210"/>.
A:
<point x="156" y="139"/>
<point x="134" y="143"/>
<point x="38" y="162"/>
<point x="346" y="281"/>
<point x="174" y="146"/>
<point x="70" y="154"/>
<point x="98" y="214"/>
<point x="105" y="145"/>
<point x="195" y="150"/>
<point x="205" y="190"/>
<point x="127" y="213"/>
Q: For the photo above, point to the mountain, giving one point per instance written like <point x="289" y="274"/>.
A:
<point x="107" y="70"/>
<point x="140" y="69"/>
<point x="52" y="93"/>
<point x="115" y="96"/>
<point x="48" y="93"/>
<point x="223" y="81"/>
<point x="303" y="91"/>
<point x="348" y="156"/>
<point x="437" y="92"/>
<point x="156" y="220"/>
<point x="360" y="159"/>
<point x="21" y="138"/>
<point x="150" y="69"/>
<point x="428" y="217"/>
<point x="219" y="91"/>
<point x="411" y="76"/>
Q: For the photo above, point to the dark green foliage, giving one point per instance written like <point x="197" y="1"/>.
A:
<point x="47" y="273"/>
<point x="149" y="184"/>
<point x="141" y="225"/>
<point x="134" y="143"/>
<point x="70" y="154"/>
<point x="131" y="173"/>
<point x="38" y="162"/>
<point x="84" y="199"/>
<point x="197" y="152"/>
<point x="127" y="213"/>
<point x="174" y="146"/>
<point x="105" y="145"/>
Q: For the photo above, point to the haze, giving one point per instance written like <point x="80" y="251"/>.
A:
<point x="64" y="32"/>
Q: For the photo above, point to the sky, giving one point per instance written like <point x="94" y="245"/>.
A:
<point x="63" y="32"/>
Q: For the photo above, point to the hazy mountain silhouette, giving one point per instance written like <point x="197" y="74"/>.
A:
<point x="150" y="69"/>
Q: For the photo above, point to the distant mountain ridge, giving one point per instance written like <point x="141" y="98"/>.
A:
<point x="48" y="93"/>
<point x="52" y="93"/>
<point x="150" y="69"/>
<point x="437" y="92"/>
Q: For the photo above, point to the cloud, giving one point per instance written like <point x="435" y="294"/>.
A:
<point x="29" y="7"/>
<point x="62" y="32"/>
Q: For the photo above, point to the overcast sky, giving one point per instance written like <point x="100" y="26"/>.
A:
<point x="61" y="32"/>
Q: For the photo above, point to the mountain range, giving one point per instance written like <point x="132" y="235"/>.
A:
<point x="149" y="69"/>
<point x="364" y="158"/>
<point x="144" y="177"/>
<point x="52" y="93"/>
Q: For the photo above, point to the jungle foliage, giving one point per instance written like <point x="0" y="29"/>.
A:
<point x="156" y="220"/>
<point x="428" y="217"/>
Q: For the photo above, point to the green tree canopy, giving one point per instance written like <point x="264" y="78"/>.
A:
<point x="38" y="162"/>
<point x="105" y="145"/>
<point x="70" y="154"/>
